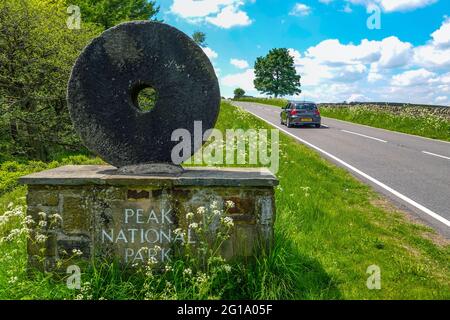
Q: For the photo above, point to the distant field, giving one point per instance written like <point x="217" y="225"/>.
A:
<point x="426" y="121"/>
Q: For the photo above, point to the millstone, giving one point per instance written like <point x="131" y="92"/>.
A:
<point x="115" y="67"/>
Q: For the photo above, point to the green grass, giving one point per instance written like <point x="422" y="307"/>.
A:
<point x="410" y="120"/>
<point x="270" y="101"/>
<point x="329" y="228"/>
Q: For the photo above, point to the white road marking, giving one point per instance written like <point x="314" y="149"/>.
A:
<point x="436" y="155"/>
<point x="365" y="175"/>
<point x="363" y="135"/>
<point x="324" y="125"/>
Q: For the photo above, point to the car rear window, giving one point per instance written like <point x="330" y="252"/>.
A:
<point x="307" y="106"/>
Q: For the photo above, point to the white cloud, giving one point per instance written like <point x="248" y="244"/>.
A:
<point x="241" y="64"/>
<point x="295" y="54"/>
<point x="394" y="53"/>
<point x="242" y="80"/>
<point x="222" y="13"/>
<point x="197" y="8"/>
<point x="347" y="9"/>
<point x="404" y="5"/>
<point x="413" y="78"/>
<point x="300" y="9"/>
<point x="436" y="53"/>
<point x="210" y="53"/>
<point x="441" y="37"/>
<point x="389" y="53"/>
<point x="356" y="97"/>
<point x="230" y="16"/>
<point x="441" y="99"/>
<point x="396" y="5"/>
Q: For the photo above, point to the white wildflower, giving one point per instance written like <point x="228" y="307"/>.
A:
<point x="42" y="223"/>
<point x="43" y="215"/>
<point x="201" y="210"/>
<point x="213" y="205"/>
<point x="55" y="217"/>
<point x="228" y="221"/>
<point x="28" y="220"/>
<point x="189" y="215"/>
<point x="187" y="271"/>
<point x="168" y="268"/>
<point x="77" y="252"/>
<point x="229" y="204"/>
<point x="178" y="231"/>
<point x="13" y="280"/>
<point x="193" y="225"/>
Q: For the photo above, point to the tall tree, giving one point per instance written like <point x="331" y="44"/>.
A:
<point x="37" y="51"/>
<point x="199" y="38"/>
<point x="108" y="13"/>
<point x="239" y="93"/>
<point x="275" y="74"/>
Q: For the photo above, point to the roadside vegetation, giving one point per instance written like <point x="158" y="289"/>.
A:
<point x="413" y="120"/>
<point x="270" y="101"/>
<point x="329" y="229"/>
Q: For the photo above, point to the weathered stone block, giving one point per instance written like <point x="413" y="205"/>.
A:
<point x="75" y="216"/>
<point x="43" y="197"/>
<point x="135" y="218"/>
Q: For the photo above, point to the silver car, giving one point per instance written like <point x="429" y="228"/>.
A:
<point x="300" y="113"/>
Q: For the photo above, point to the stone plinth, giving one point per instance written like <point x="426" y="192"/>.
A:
<point x="113" y="216"/>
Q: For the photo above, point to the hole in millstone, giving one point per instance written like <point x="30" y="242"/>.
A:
<point x="144" y="98"/>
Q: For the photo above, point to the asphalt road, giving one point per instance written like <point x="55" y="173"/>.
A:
<point x="412" y="171"/>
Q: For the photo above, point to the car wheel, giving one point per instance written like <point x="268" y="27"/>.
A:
<point x="288" y="123"/>
<point x="317" y="125"/>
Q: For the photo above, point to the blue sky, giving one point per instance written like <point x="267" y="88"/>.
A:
<point x="338" y="56"/>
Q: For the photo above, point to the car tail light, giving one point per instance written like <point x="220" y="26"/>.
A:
<point x="293" y="112"/>
<point x="317" y="112"/>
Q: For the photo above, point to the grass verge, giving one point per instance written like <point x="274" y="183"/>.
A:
<point x="270" y="101"/>
<point x="329" y="229"/>
<point x="408" y="120"/>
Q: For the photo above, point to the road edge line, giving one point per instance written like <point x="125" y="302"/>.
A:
<point x="365" y="175"/>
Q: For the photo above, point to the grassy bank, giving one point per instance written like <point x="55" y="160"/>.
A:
<point x="270" y="101"/>
<point x="409" y="120"/>
<point x="329" y="229"/>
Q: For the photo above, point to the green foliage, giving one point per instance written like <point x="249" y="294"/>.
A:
<point x="108" y="13"/>
<point x="146" y="99"/>
<point x="37" y="51"/>
<point x="275" y="74"/>
<point x="11" y="171"/>
<point x="412" y="120"/>
<point x="269" y="101"/>
<point x="238" y="93"/>
<point x="199" y="38"/>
